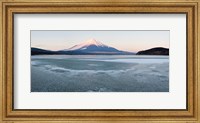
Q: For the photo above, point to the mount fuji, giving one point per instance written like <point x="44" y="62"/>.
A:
<point x="88" y="47"/>
<point x="89" y="44"/>
<point x="94" y="47"/>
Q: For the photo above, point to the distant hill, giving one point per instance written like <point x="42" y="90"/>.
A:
<point x="38" y="51"/>
<point x="154" y="51"/>
<point x="89" y="47"/>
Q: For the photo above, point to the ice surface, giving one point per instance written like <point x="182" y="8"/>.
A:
<point x="99" y="73"/>
<point x="141" y="61"/>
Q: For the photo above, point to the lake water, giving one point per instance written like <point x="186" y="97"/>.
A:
<point x="99" y="73"/>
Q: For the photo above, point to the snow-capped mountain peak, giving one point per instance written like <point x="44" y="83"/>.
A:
<point x="93" y="42"/>
<point x="87" y="43"/>
<point x="93" y="47"/>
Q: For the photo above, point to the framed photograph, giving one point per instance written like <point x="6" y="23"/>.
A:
<point x="61" y="62"/>
<point x="95" y="61"/>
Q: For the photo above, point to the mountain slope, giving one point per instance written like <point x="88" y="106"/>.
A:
<point x="154" y="51"/>
<point x="86" y="44"/>
<point x="94" y="47"/>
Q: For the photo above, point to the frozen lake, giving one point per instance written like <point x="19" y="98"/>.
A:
<point x="99" y="73"/>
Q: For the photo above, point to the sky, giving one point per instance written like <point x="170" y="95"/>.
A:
<point x="126" y="40"/>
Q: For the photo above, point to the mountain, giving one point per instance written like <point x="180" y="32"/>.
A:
<point x="154" y="51"/>
<point x="91" y="44"/>
<point x="89" y="47"/>
<point x="94" y="47"/>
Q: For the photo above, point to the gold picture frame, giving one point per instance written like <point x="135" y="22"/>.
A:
<point x="10" y="7"/>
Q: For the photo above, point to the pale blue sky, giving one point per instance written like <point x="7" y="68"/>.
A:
<point x="123" y="40"/>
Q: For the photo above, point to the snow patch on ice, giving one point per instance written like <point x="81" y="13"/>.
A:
<point x="35" y="63"/>
<point x="57" y="70"/>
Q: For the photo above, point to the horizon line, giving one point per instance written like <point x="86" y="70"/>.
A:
<point x="117" y="49"/>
